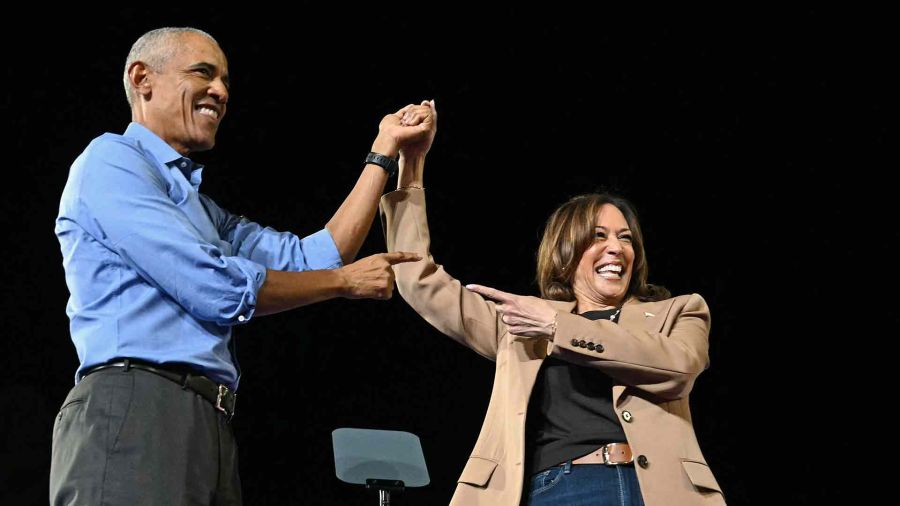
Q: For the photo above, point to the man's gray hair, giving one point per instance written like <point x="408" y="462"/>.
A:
<point x="155" y="48"/>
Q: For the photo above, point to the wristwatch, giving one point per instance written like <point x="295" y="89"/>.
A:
<point x="385" y="162"/>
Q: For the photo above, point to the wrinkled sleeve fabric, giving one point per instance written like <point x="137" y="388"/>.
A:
<point x="280" y="251"/>
<point x="124" y="204"/>
<point x="660" y="364"/>
<point x="439" y="298"/>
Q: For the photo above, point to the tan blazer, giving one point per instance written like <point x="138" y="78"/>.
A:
<point x="654" y="355"/>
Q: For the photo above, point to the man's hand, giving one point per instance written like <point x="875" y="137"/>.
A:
<point x="424" y="117"/>
<point x="372" y="277"/>
<point x="394" y="134"/>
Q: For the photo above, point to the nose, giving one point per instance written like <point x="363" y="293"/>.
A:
<point x="219" y="91"/>
<point x="613" y="246"/>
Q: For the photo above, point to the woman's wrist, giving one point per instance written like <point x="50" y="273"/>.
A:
<point x="411" y="169"/>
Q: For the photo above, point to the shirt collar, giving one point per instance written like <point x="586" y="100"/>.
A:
<point x="165" y="153"/>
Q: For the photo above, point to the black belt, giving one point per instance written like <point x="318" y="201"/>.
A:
<point x="220" y="396"/>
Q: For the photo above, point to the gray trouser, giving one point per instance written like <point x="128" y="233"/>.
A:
<point x="135" y="438"/>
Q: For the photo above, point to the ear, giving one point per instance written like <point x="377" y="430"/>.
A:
<point x="140" y="77"/>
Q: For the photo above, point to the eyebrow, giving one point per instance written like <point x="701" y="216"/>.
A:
<point x="626" y="229"/>
<point x="212" y="68"/>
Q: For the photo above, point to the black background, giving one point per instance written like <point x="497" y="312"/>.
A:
<point x="750" y="143"/>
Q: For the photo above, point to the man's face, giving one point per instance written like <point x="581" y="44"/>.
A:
<point x="188" y="95"/>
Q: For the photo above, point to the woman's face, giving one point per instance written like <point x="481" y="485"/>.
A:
<point x="604" y="270"/>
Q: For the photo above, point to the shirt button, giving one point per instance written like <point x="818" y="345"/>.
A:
<point x="626" y="415"/>
<point x="241" y="318"/>
<point x="183" y="164"/>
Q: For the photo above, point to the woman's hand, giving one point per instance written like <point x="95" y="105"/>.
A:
<point x="525" y="316"/>
<point x="411" y="129"/>
<point x="424" y="118"/>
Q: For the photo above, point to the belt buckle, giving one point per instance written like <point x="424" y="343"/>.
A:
<point x="605" y="453"/>
<point x="223" y="391"/>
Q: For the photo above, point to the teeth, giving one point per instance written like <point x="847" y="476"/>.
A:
<point x="610" y="271"/>
<point x="209" y="112"/>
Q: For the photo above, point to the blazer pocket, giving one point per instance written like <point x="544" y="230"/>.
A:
<point x="701" y="476"/>
<point x="478" y="471"/>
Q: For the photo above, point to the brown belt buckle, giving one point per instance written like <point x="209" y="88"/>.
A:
<point x="223" y="393"/>
<point x="617" y="453"/>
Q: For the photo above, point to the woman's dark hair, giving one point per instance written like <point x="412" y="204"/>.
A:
<point x="570" y="231"/>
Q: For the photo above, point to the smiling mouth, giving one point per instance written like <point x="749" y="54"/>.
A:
<point x="610" y="271"/>
<point x="208" y="111"/>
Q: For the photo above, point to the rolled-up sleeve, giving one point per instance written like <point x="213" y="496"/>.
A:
<point x="281" y="251"/>
<point x="123" y="204"/>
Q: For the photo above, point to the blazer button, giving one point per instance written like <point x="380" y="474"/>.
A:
<point x="590" y="346"/>
<point x="598" y="348"/>
<point x="582" y="343"/>
<point x="642" y="461"/>
<point x="626" y="415"/>
<point x="575" y="342"/>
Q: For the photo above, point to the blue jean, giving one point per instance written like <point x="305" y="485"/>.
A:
<point x="586" y="484"/>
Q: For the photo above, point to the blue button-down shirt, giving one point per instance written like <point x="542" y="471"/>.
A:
<point x="156" y="270"/>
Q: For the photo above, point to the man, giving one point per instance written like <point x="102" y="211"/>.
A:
<point x="158" y="275"/>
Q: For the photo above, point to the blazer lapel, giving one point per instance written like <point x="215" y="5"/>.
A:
<point x="649" y="316"/>
<point x="635" y="316"/>
<point x="641" y="316"/>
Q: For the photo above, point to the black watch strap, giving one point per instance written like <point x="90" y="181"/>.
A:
<point x="385" y="162"/>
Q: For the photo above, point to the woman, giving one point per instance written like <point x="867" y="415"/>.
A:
<point x="602" y="364"/>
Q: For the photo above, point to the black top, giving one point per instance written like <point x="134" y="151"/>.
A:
<point x="570" y="413"/>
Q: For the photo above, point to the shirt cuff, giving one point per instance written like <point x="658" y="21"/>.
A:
<point x="321" y="252"/>
<point x="246" y="307"/>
